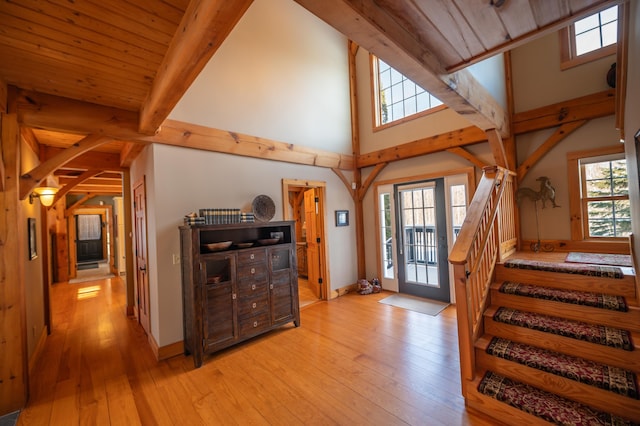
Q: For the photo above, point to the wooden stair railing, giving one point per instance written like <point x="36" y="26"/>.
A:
<point x="488" y="235"/>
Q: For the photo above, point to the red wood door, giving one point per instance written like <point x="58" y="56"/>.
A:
<point x="142" y="282"/>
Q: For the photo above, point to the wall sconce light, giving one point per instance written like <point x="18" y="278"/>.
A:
<point x="45" y="193"/>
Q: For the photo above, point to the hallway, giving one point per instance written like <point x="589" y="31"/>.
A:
<point x="352" y="361"/>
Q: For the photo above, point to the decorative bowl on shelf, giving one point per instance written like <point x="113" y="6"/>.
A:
<point x="223" y="245"/>
<point x="268" y="241"/>
<point x="244" y="245"/>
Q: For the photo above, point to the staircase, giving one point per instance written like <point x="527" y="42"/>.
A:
<point x="558" y="346"/>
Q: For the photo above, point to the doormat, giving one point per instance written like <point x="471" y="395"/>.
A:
<point x="416" y="304"/>
<point x="83" y="266"/>
<point x="600" y="258"/>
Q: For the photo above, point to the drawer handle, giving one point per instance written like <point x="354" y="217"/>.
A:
<point x="253" y="256"/>
<point x="254" y="305"/>
<point x="253" y="286"/>
<point x="253" y="270"/>
<point x="271" y="286"/>
<point x="233" y="296"/>
<point x="255" y="324"/>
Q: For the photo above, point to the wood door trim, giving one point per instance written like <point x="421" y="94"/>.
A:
<point x="290" y="185"/>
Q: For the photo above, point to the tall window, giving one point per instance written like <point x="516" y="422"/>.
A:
<point x="590" y="38"/>
<point x="602" y="200"/>
<point x="605" y="197"/>
<point x="386" y="234"/>
<point x="396" y="97"/>
<point x="458" y="208"/>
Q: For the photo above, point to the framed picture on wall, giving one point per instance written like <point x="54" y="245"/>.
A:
<point x="342" y="217"/>
<point x="33" y="248"/>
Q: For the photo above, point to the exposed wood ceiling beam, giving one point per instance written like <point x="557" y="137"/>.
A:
<point x="50" y="112"/>
<point x="89" y="160"/>
<point x="559" y="135"/>
<point x="204" y="26"/>
<point x="129" y="153"/>
<point x="587" y="107"/>
<point x="437" y="143"/>
<point x="182" y="134"/>
<point x="77" y="181"/>
<point x="371" y="27"/>
<point x="30" y="139"/>
<point x="32" y="178"/>
<point x="497" y="148"/>
<point x="66" y="115"/>
<point x="467" y="156"/>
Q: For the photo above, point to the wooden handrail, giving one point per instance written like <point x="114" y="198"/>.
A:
<point x="488" y="235"/>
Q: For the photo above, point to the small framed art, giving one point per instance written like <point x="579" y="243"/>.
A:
<point x="342" y="217"/>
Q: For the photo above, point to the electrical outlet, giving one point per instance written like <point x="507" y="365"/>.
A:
<point x="176" y="259"/>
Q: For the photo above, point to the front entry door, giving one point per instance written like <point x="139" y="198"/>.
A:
<point x="142" y="288"/>
<point x="89" y="237"/>
<point x="422" y="247"/>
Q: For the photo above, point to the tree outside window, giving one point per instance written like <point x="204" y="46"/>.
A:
<point x="605" y="198"/>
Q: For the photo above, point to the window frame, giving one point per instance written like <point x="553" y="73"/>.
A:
<point x="568" y="56"/>
<point x="375" y="100"/>
<point x="578" y="203"/>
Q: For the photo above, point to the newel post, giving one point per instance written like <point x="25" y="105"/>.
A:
<point x="465" y="327"/>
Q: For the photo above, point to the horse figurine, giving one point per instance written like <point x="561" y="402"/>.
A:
<point x="546" y="192"/>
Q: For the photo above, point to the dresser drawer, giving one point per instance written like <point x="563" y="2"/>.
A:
<point x="252" y="272"/>
<point x="252" y="306"/>
<point x="254" y="325"/>
<point x="252" y="288"/>
<point x="247" y="257"/>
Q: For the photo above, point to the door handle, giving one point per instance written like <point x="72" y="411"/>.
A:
<point x="143" y="268"/>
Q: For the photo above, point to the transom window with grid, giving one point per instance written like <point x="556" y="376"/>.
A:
<point x="396" y="97"/>
<point x="590" y="38"/>
<point x="605" y="196"/>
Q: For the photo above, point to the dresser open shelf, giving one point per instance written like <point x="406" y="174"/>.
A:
<point x="234" y="294"/>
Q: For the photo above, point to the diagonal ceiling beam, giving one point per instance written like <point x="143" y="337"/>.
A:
<point x="32" y="178"/>
<point x="69" y="186"/>
<point x="364" y="22"/>
<point x="204" y="26"/>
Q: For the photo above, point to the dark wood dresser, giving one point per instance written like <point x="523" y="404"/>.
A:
<point x="232" y="294"/>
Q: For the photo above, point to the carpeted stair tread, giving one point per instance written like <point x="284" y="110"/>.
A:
<point x="566" y="268"/>
<point x="598" y="334"/>
<point x="613" y="379"/>
<point x="596" y="300"/>
<point x="545" y="405"/>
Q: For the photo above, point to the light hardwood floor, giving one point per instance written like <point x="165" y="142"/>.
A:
<point x="352" y="361"/>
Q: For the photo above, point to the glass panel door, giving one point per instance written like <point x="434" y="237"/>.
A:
<point x="422" y="252"/>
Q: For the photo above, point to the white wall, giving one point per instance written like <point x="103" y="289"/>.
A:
<point x="490" y="73"/>
<point x="538" y="81"/>
<point x="282" y="74"/>
<point x="185" y="180"/>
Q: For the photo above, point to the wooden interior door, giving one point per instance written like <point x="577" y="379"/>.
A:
<point x="313" y="241"/>
<point x="142" y="287"/>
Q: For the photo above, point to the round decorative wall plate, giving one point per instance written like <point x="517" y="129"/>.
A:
<point x="263" y="208"/>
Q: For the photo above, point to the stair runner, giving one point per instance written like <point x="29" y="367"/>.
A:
<point x="613" y="379"/>
<point x="546" y="405"/>
<point x="595" y="300"/>
<point x="543" y="404"/>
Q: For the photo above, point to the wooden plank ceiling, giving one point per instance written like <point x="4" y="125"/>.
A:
<point x="140" y="57"/>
